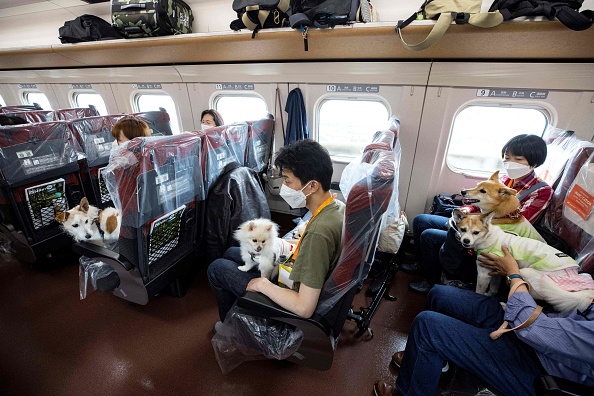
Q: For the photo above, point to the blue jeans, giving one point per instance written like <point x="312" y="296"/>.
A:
<point x="456" y="327"/>
<point x="430" y="232"/>
<point x="226" y="281"/>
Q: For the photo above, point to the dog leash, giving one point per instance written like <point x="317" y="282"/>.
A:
<point x="327" y="202"/>
<point x="503" y="328"/>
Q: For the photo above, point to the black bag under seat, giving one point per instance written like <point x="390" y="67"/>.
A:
<point x="87" y="28"/>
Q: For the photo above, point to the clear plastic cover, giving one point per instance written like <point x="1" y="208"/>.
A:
<point x="28" y="150"/>
<point x="36" y="115"/>
<point x="259" y="144"/>
<point x="559" y="150"/>
<point x="148" y="177"/>
<point x="94" y="136"/>
<point x="6" y="250"/>
<point x="159" y="122"/>
<point x="246" y="337"/>
<point x="76" y="112"/>
<point x="100" y="274"/>
<point x="577" y="224"/>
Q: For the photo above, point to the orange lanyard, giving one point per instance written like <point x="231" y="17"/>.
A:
<point x="322" y="206"/>
<point x="510" y="182"/>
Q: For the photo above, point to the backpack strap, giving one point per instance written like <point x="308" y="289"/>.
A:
<point x="283" y="6"/>
<point x="535" y="187"/>
<point x="573" y="19"/>
<point x="483" y="19"/>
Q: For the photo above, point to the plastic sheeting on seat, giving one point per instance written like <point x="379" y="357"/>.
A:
<point x="559" y="151"/>
<point x="36" y="115"/>
<point x="76" y="112"/>
<point x="217" y="153"/>
<point x="259" y="144"/>
<point x="94" y="136"/>
<point x="28" y="150"/>
<point x="159" y="121"/>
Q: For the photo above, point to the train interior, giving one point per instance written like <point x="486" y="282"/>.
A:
<point x="400" y="126"/>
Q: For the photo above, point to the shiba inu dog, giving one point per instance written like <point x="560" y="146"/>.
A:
<point x="261" y="246"/>
<point x="86" y="222"/>
<point x="492" y="196"/>
<point x="552" y="275"/>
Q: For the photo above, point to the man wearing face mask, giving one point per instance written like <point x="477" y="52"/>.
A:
<point x="307" y="170"/>
<point x="438" y="249"/>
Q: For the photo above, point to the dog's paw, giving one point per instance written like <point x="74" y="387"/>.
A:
<point x="244" y="268"/>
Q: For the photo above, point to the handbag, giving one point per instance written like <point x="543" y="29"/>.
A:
<point x="444" y="204"/>
<point x="446" y="12"/>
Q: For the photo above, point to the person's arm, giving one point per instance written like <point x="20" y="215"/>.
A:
<point x="564" y="339"/>
<point x="534" y="204"/>
<point x="302" y="303"/>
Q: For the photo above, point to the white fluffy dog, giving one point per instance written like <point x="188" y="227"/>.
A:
<point x="260" y="246"/>
<point x="86" y="222"/>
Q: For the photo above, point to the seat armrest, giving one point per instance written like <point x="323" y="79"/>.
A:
<point x="549" y="385"/>
<point x="95" y="251"/>
<point x="263" y="306"/>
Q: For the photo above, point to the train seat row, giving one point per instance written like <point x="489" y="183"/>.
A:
<point x="262" y="327"/>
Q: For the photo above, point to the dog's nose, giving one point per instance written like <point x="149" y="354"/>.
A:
<point x="466" y="241"/>
<point x="258" y="248"/>
<point x="88" y="236"/>
<point x="463" y="192"/>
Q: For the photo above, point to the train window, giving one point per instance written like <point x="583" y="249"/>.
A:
<point x="84" y="99"/>
<point x="479" y="133"/>
<point x="345" y="126"/>
<point x="237" y="108"/>
<point x="39" y="98"/>
<point x="155" y="101"/>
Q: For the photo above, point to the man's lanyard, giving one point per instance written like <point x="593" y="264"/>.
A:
<point x="322" y="206"/>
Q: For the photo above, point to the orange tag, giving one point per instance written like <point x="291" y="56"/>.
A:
<point x="580" y="201"/>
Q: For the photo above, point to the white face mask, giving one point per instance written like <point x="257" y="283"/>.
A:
<point x="515" y="170"/>
<point x="205" y="126"/>
<point x="295" y="198"/>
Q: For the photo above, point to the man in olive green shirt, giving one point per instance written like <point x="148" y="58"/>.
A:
<point x="307" y="170"/>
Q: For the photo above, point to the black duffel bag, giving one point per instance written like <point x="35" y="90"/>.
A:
<point x="444" y="204"/>
<point x="87" y="28"/>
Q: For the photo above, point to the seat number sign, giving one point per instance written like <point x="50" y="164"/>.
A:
<point x="512" y="93"/>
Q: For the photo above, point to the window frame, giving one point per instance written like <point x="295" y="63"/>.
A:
<point x="76" y="92"/>
<point x="136" y="94"/>
<point x="217" y="95"/>
<point x="25" y="92"/>
<point x="547" y="111"/>
<point x="315" y="133"/>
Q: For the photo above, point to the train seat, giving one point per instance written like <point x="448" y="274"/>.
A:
<point x="390" y="135"/>
<point x="259" y="144"/>
<point x="95" y="138"/>
<point x="11" y="109"/>
<point x="312" y="341"/>
<point x="217" y="154"/>
<point x="157" y="185"/>
<point x="158" y="121"/>
<point x="236" y="136"/>
<point x="77" y="112"/>
<point x="39" y="175"/>
<point x="35" y="115"/>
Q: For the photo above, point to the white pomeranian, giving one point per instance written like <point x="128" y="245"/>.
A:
<point x="261" y="246"/>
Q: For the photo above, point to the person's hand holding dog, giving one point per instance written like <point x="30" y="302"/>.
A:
<point x="499" y="265"/>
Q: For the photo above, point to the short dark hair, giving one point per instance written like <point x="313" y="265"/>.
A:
<point x="531" y="147"/>
<point x="308" y="160"/>
<point x="218" y="118"/>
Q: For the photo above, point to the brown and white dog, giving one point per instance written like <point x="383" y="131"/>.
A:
<point x="552" y="275"/>
<point x="86" y="222"/>
<point x="492" y="196"/>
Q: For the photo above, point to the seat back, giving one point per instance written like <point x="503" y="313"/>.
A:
<point x="259" y="144"/>
<point x="11" y="109"/>
<point x="216" y="154"/>
<point x="77" y="112"/>
<point x="159" y="121"/>
<point x="95" y="138"/>
<point x="236" y="136"/>
<point x="157" y="184"/>
<point x="388" y="136"/>
<point x="559" y="150"/>
<point x="35" y="115"/>
<point x="367" y="201"/>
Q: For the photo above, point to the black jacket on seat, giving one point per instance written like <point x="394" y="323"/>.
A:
<point x="236" y="197"/>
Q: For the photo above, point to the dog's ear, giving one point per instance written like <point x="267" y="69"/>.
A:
<point x="251" y="226"/>
<point x="269" y="227"/>
<point x="495" y="176"/>
<point x="458" y="215"/>
<point x="507" y="191"/>
<point x="61" y="217"/>
<point x="486" y="218"/>
<point x="84" y="204"/>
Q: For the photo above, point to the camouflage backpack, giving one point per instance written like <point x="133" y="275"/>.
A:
<point x="148" y="18"/>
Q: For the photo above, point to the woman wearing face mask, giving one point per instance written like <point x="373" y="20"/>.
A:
<point x="520" y="155"/>
<point x="211" y="118"/>
<point x="127" y="129"/>
<point x="307" y="170"/>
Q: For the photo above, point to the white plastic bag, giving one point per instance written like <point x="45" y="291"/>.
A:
<point x="392" y="235"/>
